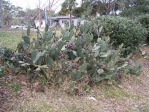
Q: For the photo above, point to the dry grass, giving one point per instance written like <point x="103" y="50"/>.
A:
<point x="131" y="95"/>
<point x="109" y="98"/>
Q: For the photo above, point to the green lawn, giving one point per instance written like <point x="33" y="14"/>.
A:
<point x="10" y="38"/>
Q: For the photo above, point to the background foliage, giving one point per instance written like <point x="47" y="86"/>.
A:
<point x="144" y="20"/>
<point x="123" y="30"/>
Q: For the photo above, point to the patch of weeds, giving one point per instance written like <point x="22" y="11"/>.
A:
<point x="43" y="82"/>
<point x="115" y="92"/>
<point x="15" y="87"/>
<point x="3" y="83"/>
<point x="2" y="72"/>
<point x="132" y="110"/>
<point x="34" y="106"/>
<point x="140" y="108"/>
<point x="82" y="107"/>
<point x="72" y="108"/>
<point x="144" y="107"/>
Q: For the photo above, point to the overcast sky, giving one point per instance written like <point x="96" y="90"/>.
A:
<point x="34" y="3"/>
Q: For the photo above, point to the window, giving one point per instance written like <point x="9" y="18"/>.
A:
<point x="72" y="21"/>
<point x="64" y="21"/>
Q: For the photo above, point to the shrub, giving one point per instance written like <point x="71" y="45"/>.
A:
<point x="2" y="71"/>
<point x="144" y="20"/>
<point x="123" y="30"/>
<point x="2" y="50"/>
<point x="130" y="12"/>
<point x="5" y="52"/>
<point x="134" y="12"/>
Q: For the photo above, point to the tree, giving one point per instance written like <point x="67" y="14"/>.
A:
<point x="68" y="6"/>
<point x="135" y="8"/>
<point x="101" y="7"/>
<point x="1" y="15"/>
<point x="107" y="7"/>
<point x="78" y="11"/>
<point x="10" y="12"/>
<point x="32" y="14"/>
<point x="21" y="14"/>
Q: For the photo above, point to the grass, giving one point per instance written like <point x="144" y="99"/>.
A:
<point x="141" y="108"/>
<point x="116" y="92"/>
<point x="34" y="106"/>
<point x="57" y="100"/>
<point x="14" y="86"/>
<point x="109" y="98"/>
<point x="10" y="38"/>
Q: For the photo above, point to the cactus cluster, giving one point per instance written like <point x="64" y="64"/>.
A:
<point x="78" y="56"/>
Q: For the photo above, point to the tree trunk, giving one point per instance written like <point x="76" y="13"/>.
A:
<point x="1" y="15"/>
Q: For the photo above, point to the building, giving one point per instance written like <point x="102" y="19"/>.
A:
<point x="60" y="21"/>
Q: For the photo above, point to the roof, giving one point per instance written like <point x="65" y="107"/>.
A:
<point x="62" y="17"/>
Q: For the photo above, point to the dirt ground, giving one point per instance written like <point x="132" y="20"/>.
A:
<point x="130" y="95"/>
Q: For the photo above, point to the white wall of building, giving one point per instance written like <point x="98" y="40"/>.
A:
<point x="61" y="22"/>
<point x="75" y="21"/>
<point x="41" y="25"/>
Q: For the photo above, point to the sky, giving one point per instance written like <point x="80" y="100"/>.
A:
<point x="34" y="3"/>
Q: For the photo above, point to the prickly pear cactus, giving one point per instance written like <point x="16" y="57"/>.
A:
<point x="75" y="53"/>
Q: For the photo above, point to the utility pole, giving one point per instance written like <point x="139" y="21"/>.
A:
<point x="70" y="9"/>
<point x="39" y="14"/>
<point x="46" y="17"/>
<point x="1" y="14"/>
<point x="49" y="10"/>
